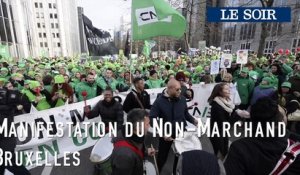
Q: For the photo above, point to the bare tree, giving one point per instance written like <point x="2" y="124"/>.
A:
<point x="264" y="31"/>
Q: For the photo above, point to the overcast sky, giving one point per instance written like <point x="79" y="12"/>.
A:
<point x="105" y="14"/>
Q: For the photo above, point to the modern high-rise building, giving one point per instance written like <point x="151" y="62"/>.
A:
<point x="40" y="27"/>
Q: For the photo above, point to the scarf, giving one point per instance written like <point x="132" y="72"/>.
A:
<point x="225" y="104"/>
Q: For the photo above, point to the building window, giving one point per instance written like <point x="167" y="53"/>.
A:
<point x="37" y="15"/>
<point x="41" y="44"/>
<point x="274" y="29"/>
<point x="50" y="6"/>
<point x="46" y="44"/>
<point x="53" y="35"/>
<point x="41" y="5"/>
<point x="55" y="16"/>
<point x="57" y="35"/>
<point x="270" y="47"/>
<point x="52" y="25"/>
<point x="295" y="44"/>
<point x="58" y="44"/>
<point x="51" y="15"/>
<point x="228" y="47"/>
<point x="45" y="35"/>
<point x="246" y="46"/>
<point x="42" y="15"/>
<point x="43" y="25"/>
<point x="38" y="25"/>
<point x="229" y="33"/>
<point x="247" y="31"/>
<point x="36" y="5"/>
<point x="54" y="5"/>
<point x="40" y="35"/>
<point x="56" y="25"/>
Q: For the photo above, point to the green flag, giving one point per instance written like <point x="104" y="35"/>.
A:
<point x="156" y="18"/>
<point x="4" y="52"/>
<point x="147" y="47"/>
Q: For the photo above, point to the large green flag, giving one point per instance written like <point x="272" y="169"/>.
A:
<point x="4" y="52"/>
<point x="152" y="18"/>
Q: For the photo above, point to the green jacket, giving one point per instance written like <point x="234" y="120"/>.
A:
<point x="41" y="105"/>
<point x="245" y="88"/>
<point x="48" y="88"/>
<point x="103" y="83"/>
<point x="60" y="101"/>
<point x="154" y="83"/>
<point x="91" y="89"/>
<point x="286" y="69"/>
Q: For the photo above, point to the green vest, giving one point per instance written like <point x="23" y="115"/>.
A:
<point x="42" y="104"/>
<point x="60" y="101"/>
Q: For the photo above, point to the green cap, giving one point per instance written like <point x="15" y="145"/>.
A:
<point x="17" y="75"/>
<point x="4" y="69"/>
<point x="187" y="74"/>
<point x="21" y="65"/>
<point x="3" y="80"/>
<point x="34" y="84"/>
<point x="31" y="73"/>
<point x="59" y="79"/>
<point x="286" y="84"/>
<point x="267" y="79"/>
<point x="245" y="70"/>
<point x="253" y="74"/>
<point x="27" y="81"/>
<point x="75" y="70"/>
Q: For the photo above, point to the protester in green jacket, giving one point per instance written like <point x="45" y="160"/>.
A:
<point x="107" y="80"/>
<point x="4" y="73"/>
<point x="245" y="88"/>
<point x="90" y="87"/>
<point x="38" y="96"/>
<point x="153" y="81"/>
<point x="126" y="83"/>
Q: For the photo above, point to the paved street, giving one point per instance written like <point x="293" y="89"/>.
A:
<point x="87" y="168"/>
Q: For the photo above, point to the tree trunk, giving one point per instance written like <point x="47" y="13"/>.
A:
<point x="264" y="32"/>
<point x="190" y="22"/>
<point x="263" y="36"/>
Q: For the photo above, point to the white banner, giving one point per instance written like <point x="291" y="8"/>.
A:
<point x="56" y="147"/>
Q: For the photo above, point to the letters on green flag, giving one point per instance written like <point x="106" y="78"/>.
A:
<point x="4" y="52"/>
<point x="151" y="18"/>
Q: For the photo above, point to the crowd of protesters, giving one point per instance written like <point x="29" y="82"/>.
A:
<point x="52" y="82"/>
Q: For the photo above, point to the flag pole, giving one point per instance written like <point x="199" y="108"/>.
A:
<point x="131" y="42"/>
<point x="187" y="43"/>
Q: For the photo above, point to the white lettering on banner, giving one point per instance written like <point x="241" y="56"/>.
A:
<point x="99" y="41"/>
<point x="65" y="117"/>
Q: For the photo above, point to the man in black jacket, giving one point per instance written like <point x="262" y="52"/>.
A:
<point x="256" y="156"/>
<point x="128" y="154"/>
<point x="109" y="109"/>
<point x="138" y="97"/>
<point x="171" y="107"/>
<point x="10" y="105"/>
